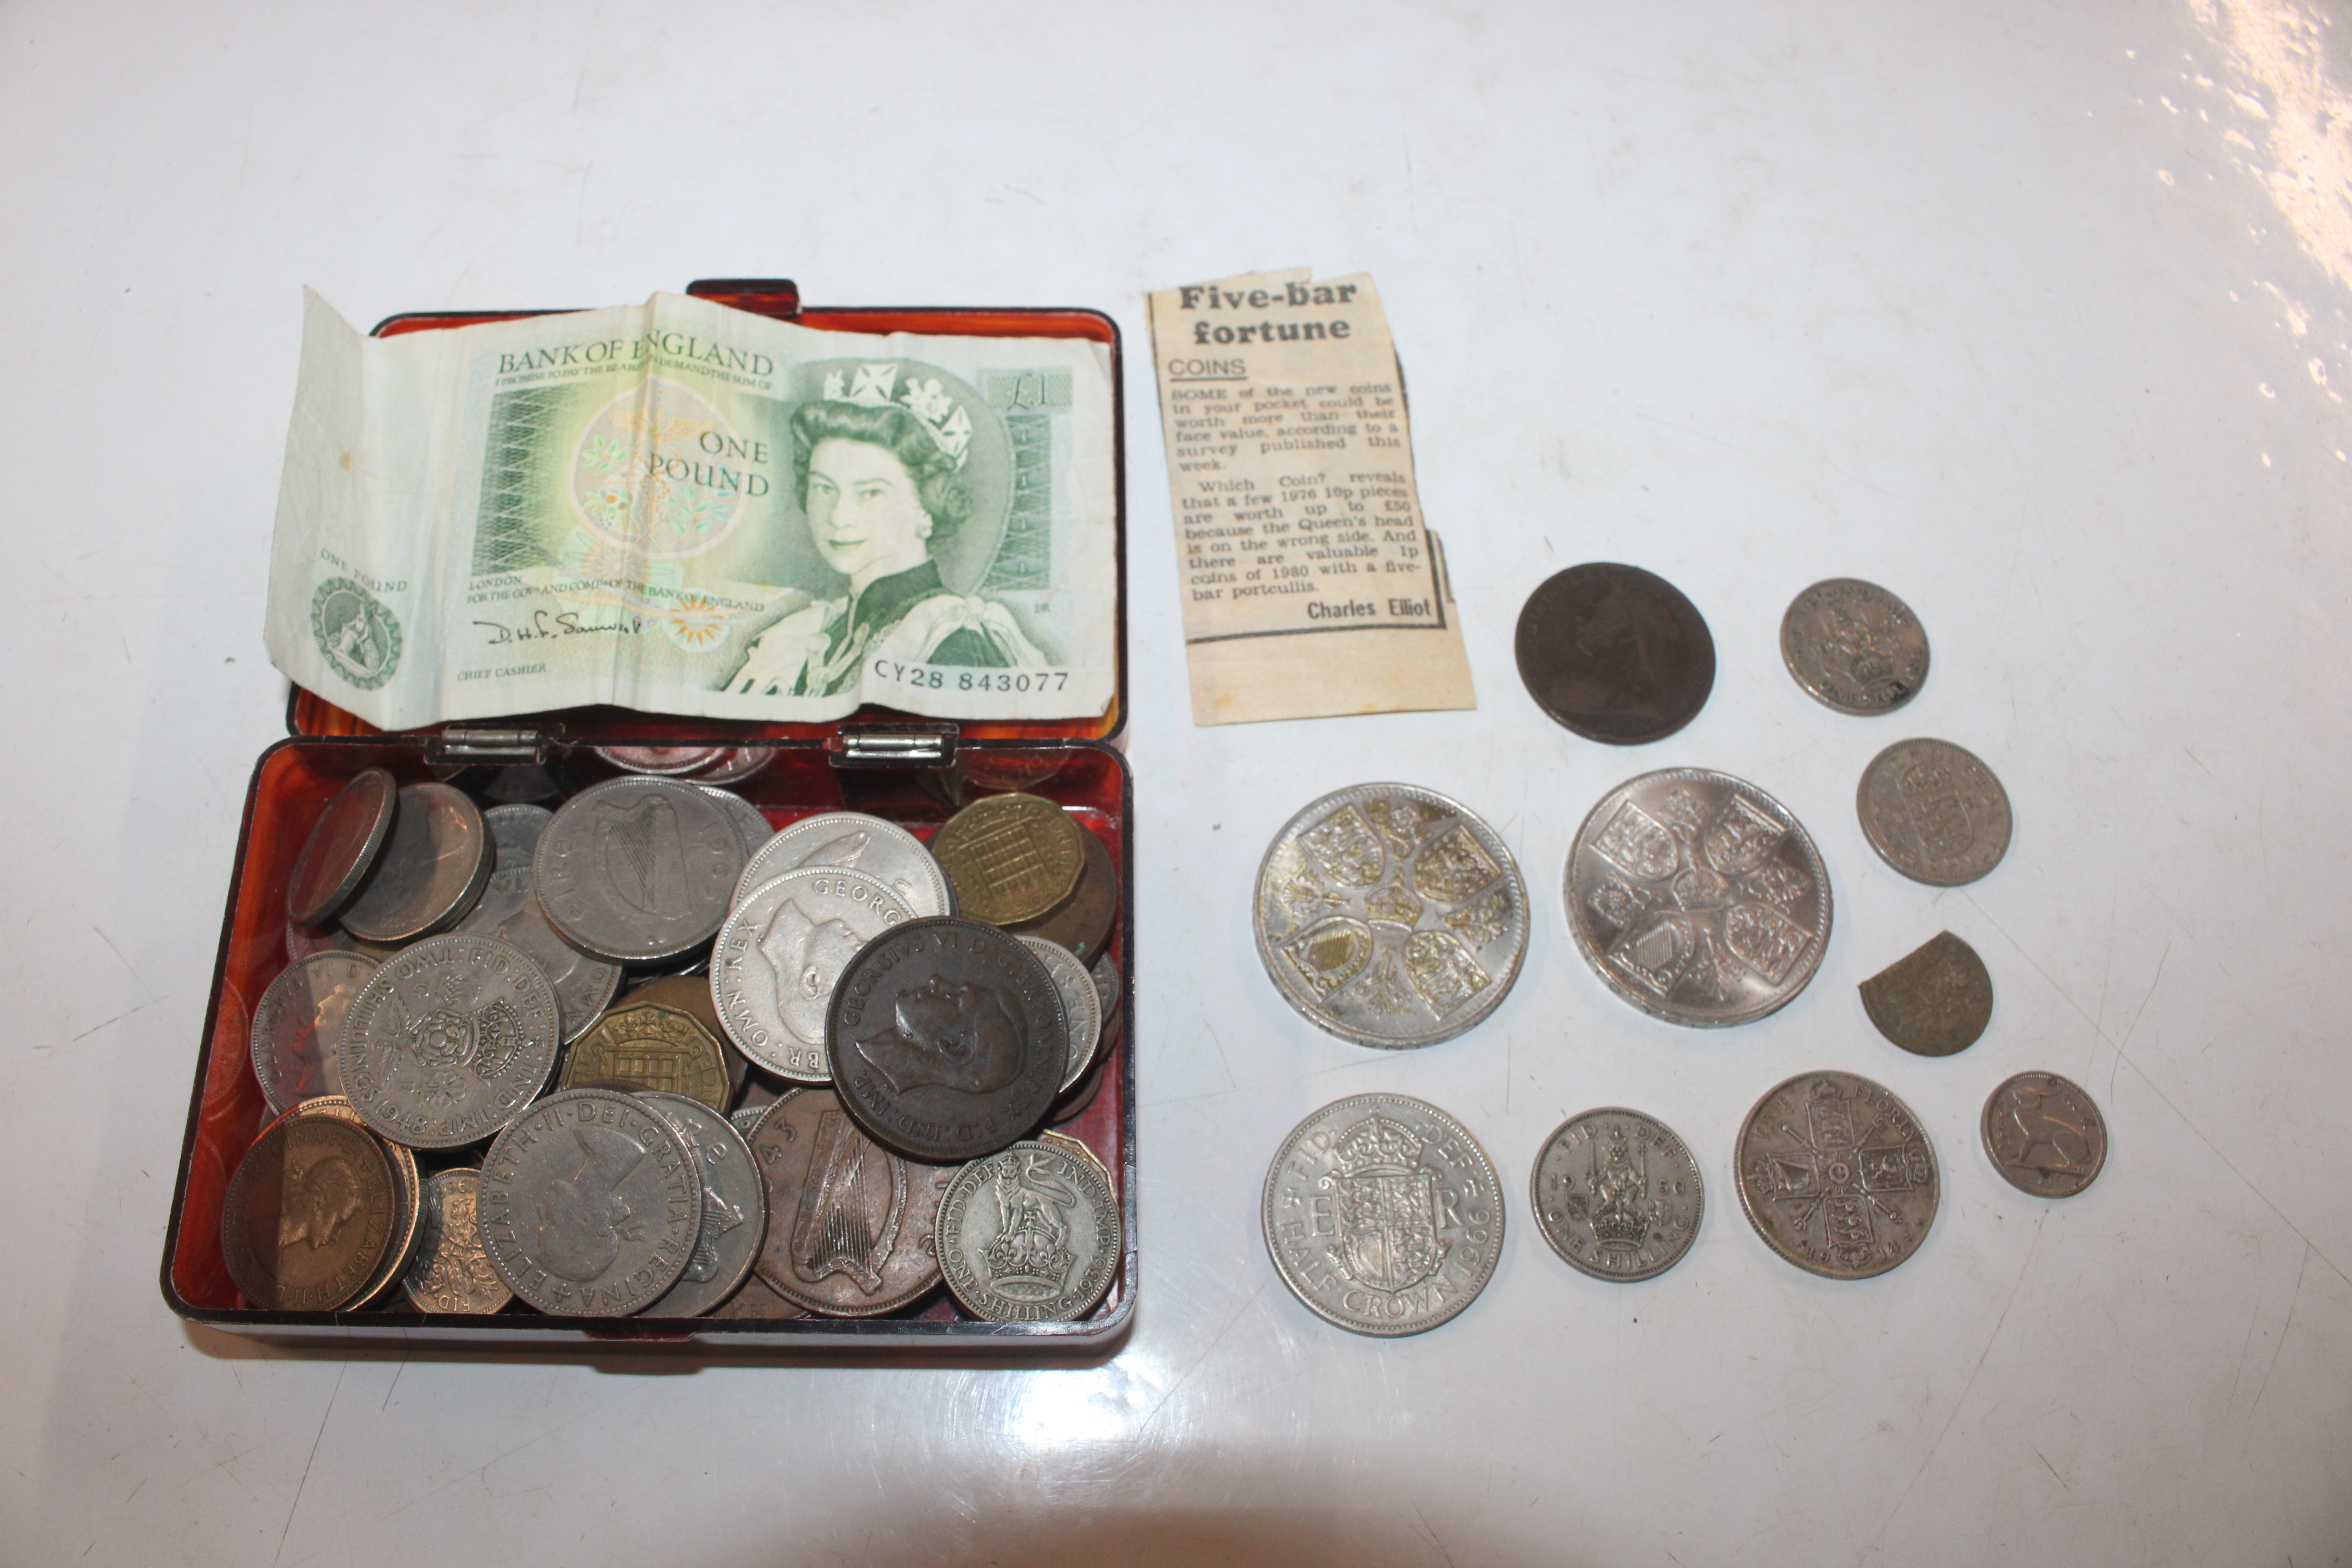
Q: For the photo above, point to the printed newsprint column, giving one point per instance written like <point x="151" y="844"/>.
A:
<point x="1311" y="587"/>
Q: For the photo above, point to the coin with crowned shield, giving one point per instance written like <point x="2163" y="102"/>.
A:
<point x="1837" y="1176"/>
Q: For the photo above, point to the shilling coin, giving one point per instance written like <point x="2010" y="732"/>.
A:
<point x="408" y="1195"/>
<point x="433" y="868"/>
<point x="1010" y="858"/>
<point x="1030" y="1234"/>
<point x="642" y="1047"/>
<point x="853" y="841"/>
<point x="747" y="819"/>
<point x="781" y="952"/>
<point x="590" y="1204"/>
<point x="1082" y="921"/>
<point x="1934" y="812"/>
<point x="636" y="871"/>
<point x="1615" y="653"/>
<point x="1383" y="1215"/>
<point x="1079" y="1003"/>
<point x="2045" y="1135"/>
<point x="1836" y="1176"/>
<point x="343" y="848"/>
<point x="509" y="912"/>
<point x="1697" y="897"/>
<point x="298" y="1024"/>
<point x="451" y="1272"/>
<point x="850" y="1223"/>
<point x="734" y="1209"/>
<point x="448" y="1041"/>
<point x="1855" y="646"/>
<point x="310" y="1215"/>
<point x="1617" y="1194"/>
<point x="1933" y="1002"/>
<point x="1391" y="915"/>
<point x="946" y="1039"/>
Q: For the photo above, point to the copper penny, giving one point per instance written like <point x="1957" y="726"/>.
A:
<point x="1615" y="654"/>
<point x="310" y="1215"/>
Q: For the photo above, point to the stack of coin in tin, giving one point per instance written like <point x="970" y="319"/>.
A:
<point x="518" y="996"/>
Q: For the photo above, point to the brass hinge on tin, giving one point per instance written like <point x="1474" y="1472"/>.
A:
<point x="461" y="745"/>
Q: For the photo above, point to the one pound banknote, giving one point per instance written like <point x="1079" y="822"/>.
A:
<point x="682" y="508"/>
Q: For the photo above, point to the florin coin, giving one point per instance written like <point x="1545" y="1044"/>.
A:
<point x="2045" y="1135"/>
<point x="448" y="1041"/>
<point x="851" y="1225"/>
<point x="1855" y="646"/>
<point x="1615" y="654"/>
<point x="637" y="870"/>
<point x="1080" y="1004"/>
<point x="642" y="1047"/>
<point x="1836" y="1176"/>
<point x="734" y="1209"/>
<point x="451" y="1271"/>
<point x="434" y="866"/>
<point x="309" y="1216"/>
<point x="1383" y="1215"/>
<point x="854" y="841"/>
<point x="1934" y="812"/>
<point x="1032" y="1234"/>
<point x="509" y="912"/>
<point x="299" y="1022"/>
<point x="1617" y="1194"/>
<point x="1010" y="858"/>
<point x="781" y="955"/>
<point x="749" y="820"/>
<point x="590" y="1204"/>
<point x="1934" y="1001"/>
<point x="408" y="1197"/>
<point x="946" y="1039"/>
<point x="1082" y="921"/>
<point x="1391" y="915"/>
<point x="341" y="848"/>
<point x="1697" y="897"/>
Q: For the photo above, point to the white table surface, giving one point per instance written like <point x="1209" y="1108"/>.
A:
<point x="2038" y="317"/>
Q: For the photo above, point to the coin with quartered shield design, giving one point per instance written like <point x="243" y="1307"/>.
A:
<point x="1391" y="915"/>
<point x="1617" y="1194"/>
<point x="1836" y="1176"/>
<point x="636" y="871"/>
<point x="1934" y="812"/>
<point x="448" y="1040"/>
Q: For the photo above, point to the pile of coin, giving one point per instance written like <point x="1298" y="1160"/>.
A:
<point x="644" y="1053"/>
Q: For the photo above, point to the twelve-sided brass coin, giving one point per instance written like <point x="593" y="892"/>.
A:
<point x="310" y="1215"/>
<point x="1617" y="1194"/>
<point x="1012" y="857"/>
<point x="1836" y="1176"/>
<point x="1615" y="653"/>
<point x="2045" y="1135"/>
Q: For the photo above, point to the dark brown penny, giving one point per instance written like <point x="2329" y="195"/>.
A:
<point x="309" y="1217"/>
<point x="432" y="871"/>
<point x="407" y="1195"/>
<point x="642" y="1045"/>
<point x="1012" y="857"/>
<point x="1934" y="1001"/>
<point x="946" y="1039"/>
<point x="1615" y="653"/>
<point x="341" y="848"/>
<point x="1082" y="921"/>
<point x="849" y="1222"/>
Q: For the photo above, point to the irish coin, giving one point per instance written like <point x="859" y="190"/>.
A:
<point x="509" y="912"/>
<point x="781" y="955"/>
<point x="1391" y="915"/>
<point x="1383" y="1215"/>
<point x="1615" y="654"/>
<point x="451" y="1271"/>
<point x="638" y="870"/>
<point x="734" y="1209"/>
<point x="299" y="1022"/>
<point x="1697" y="897"/>
<point x="747" y="819"/>
<point x="642" y="1047"/>
<point x="309" y="1216"/>
<point x="2045" y="1135"/>
<point x="434" y="866"/>
<point x="1836" y="1176"/>
<point x="408" y="1195"/>
<point x="1010" y="858"/>
<point x="850" y="1223"/>
<point x="1855" y="646"/>
<point x="448" y="1040"/>
<point x="1935" y="1002"/>
<point x="341" y="848"/>
<point x="852" y="841"/>
<point x="946" y="1039"/>
<point x="1617" y="1194"/>
<point x="1934" y="812"/>
<point x="590" y="1204"/>
<point x="1082" y="921"/>
<point x="1030" y="1234"/>
<point x="1079" y="1003"/>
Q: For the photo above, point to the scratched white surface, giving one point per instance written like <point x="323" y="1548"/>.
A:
<point x="2038" y="319"/>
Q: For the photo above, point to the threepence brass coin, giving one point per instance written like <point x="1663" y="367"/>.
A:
<point x="309" y="1217"/>
<point x="298" y="1025"/>
<point x="451" y="1272"/>
<point x="1934" y="1001"/>
<point x="341" y="848"/>
<point x="734" y="1209"/>
<point x="851" y="1225"/>
<point x="637" y="870"/>
<point x="691" y="994"/>
<point x="642" y="1047"/>
<point x="1855" y="646"/>
<point x="1383" y="1215"/>
<point x="1391" y="915"/>
<point x="433" y="868"/>
<point x="408" y="1197"/>
<point x="1934" y="812"/>
<point x="1615" y="654"/>
<point x="1082" y="921"/>
<point x="1836" y="1176"/>
<point x="1697" y="897"/>
<point x="946" y="1039"/>
<point x="1080" y="1006"/>
<point x="1032" y="1234"/>
<point x="2045" y="1135"/>
<point x="509" y="912"/>
<point x="852" y="841"/>
<point x="781" y="952"/>
<point x="590" y="1204"/>
<point x="1011" y="858"/>
<point x="1617" y="1194"/>
<point x="448" y="1041"/>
